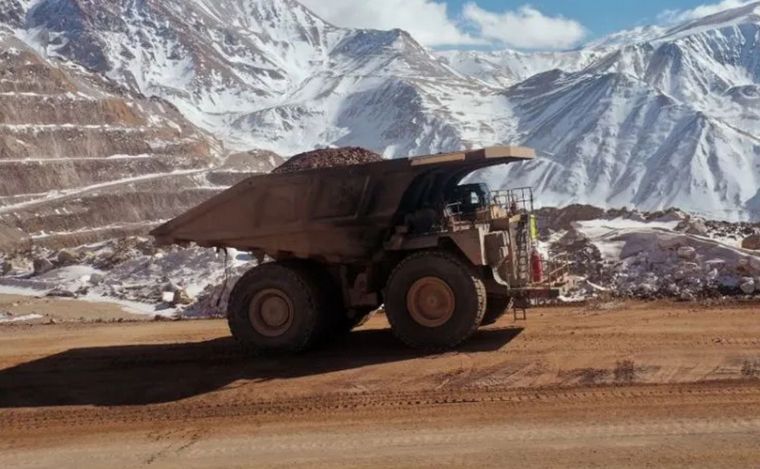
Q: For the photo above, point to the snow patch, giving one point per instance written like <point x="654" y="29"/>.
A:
<point x="26" y="317"/>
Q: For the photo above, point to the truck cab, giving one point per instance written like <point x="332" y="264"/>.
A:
<point x="468" y="199"/>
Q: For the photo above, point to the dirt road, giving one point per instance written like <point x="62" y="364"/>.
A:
<point x="611" y="385"/>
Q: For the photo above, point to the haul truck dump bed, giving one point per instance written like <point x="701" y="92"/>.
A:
<point x="442" y="256"/>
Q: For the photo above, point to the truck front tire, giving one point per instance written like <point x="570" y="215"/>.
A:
<point x="276" y="308"/>
<point x="434" y="300"/>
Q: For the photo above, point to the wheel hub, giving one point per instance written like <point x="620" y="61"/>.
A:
<point x="430" y="301"/>
<point x="271" y="312"/>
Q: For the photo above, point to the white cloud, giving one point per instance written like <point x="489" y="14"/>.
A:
<point x="432" y="24"/>
<point x="675" y="16"/>
<point x="427" y="21"/>
<point x="525" y="28"/>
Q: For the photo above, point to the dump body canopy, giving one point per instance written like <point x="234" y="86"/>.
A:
<point x="338" y="214"/>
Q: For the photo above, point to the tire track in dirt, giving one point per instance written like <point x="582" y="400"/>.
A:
<point x="735" y="391"/>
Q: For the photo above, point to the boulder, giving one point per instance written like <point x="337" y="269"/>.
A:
<point x="181" y="297"/>
<point x="145" y="246"/>
<point x="752" y="242"/>
<point x="747" y="285"/>
<point x="696" y="226"/>
<point x="88" y="258"/>
<point x="6" y="267"/>
<point x="67" y="257"/>
<point x="668" y="241"/>
<point x="672" y="214"/>
<point x="748" y="266"/>
<point x="687" y="252"/>
<point x="96" y="278"/>
<point x="646" y="289"/>
<point x="62" y="293"/>
<point x="686" y="295"/>
<point x="41" y="265"/>
<point x="571" y="237"/>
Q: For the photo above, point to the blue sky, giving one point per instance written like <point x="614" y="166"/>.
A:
<point x="600" y="17"/>
<point x="512" y="24"/>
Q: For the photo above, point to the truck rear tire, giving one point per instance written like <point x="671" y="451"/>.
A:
<point x="434" y="300"/>
<point x="496" y="307"/>
<point x="276" y="308"/>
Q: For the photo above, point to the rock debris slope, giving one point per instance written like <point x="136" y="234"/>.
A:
<point x="83" y="159"/>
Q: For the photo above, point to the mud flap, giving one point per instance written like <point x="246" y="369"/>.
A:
<point x="522" y="299"/>
<point x="520" y="304"/>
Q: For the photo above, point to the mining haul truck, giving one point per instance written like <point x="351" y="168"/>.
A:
<point x="334" y="244"/>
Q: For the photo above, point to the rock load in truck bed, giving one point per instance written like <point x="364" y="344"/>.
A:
<point x="327" y="158"/>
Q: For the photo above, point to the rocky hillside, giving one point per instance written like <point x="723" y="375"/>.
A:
<point x="83" y="159"/>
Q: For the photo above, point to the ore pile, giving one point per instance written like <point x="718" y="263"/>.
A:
<point x="328" y="158"/>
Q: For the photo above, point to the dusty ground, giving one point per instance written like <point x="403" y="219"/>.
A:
<point x="614" y="385"/>
<point x="66" y="310"/>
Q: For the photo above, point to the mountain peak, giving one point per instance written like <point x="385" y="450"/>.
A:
<point x="746" y="14"/>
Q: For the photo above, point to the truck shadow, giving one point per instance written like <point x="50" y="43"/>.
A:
<point x="156" y="373"/>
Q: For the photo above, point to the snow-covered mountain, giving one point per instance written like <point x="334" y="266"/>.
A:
<point x="651" y="117"/>
<point x="504" y="68"/>
<point x="671" y="121"/>
<point x="83" y="158"/>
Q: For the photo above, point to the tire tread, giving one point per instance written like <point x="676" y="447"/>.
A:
<point x="480" y="291"/>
